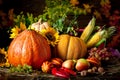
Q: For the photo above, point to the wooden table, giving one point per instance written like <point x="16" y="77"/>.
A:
<point x="112" y="73"/>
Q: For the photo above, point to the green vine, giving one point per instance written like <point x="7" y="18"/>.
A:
<point x="57" y="13"/>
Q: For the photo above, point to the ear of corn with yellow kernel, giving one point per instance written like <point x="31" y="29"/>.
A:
<point x="88" y="30"/>
<point x="108" y="33"/>
<point x="95" y="38"/>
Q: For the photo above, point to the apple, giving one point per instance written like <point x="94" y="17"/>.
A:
<point x="68" y="64"/>
<point x="82" y="64"/>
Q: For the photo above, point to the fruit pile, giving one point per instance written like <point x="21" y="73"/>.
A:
<point x="101" y="54"/>
<point x="69" y="67"/>
<point x="41" y="47"/>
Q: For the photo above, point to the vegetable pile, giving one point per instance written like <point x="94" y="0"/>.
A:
<point x="56" y="48"/>
<point x="41" y="47"/>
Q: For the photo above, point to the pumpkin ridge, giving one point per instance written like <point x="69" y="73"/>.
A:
<point x="68" y="43"/>
<point x="43" y="42"/>
<point x="21" y="40"/>
<point x="45" y="50"/>
<point x="23" y="59"/>
<point x="70" y="48"/>
<point x="83" y="50"/>
<point x="34" y="49"/>
<point x="44" y="47"/>
<point x="21" y="50"/>
<point x="81" y="47"/>
<point x="33" y="45"/>
<point x="78" y="49"/>
<point x="63" y="45"/>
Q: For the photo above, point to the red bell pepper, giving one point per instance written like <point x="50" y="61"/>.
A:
<point x="70" y="71"/>
<point x="59" y="73"/>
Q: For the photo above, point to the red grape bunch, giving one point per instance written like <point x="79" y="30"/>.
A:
<point x="101" y="54"/>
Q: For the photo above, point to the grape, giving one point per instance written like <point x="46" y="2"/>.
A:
<point x="89" y="70"/>
<point x="101" y="54"/>
<point x="12" y="69"/>
<point x="94" y="69"/>
<point x="100" y="69"/>
<point x="25" y="68"/>
<point x="84" y="73"/>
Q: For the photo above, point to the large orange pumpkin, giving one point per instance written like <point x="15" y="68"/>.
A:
<point x="30" y="48"/>
<point x="70" y="47"/>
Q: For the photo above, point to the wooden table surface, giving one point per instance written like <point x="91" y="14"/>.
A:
<point x="112" y="72"/>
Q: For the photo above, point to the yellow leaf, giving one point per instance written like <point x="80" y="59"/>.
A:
<point x="14" y="32"/>
<point x="22" y="26"/>
<point x="97" y="14"/>
<point x="74" y="2"/>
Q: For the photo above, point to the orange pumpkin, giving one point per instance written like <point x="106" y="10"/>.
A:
<point x="70" y="47"/>
<point x="29" y="48"/>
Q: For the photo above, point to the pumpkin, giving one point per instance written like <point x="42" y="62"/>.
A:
<point x="70" y="47"/>
<point x="30" y="48"/>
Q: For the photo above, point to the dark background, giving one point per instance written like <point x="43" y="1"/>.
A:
<point x="36" y="6"/>
<point x="32" y="6"/>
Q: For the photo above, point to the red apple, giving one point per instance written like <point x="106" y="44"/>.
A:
<point x="82" y="64"/>
<point x="68" y="64"/>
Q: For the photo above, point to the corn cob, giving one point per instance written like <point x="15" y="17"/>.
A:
<point x="95" y="38"/>
<point x="88" y="30"/>
<point x="109" y="32"/>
